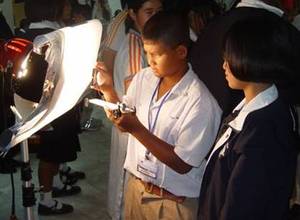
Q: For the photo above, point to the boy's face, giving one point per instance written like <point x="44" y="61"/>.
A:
<point x="148" y="9"/>
<point x="164" y="60"/>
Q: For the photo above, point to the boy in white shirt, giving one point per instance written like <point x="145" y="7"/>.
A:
<point x="173" y="129"/>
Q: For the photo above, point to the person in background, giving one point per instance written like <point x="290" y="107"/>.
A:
<point x="123" y="4"/>
<point x="66" y="175"/>
<point x="201" y="13"/>
<point x="112" y="36"/>
<point x="101" y="11"/>
<point x="250" y="172"/>
<point x="6" y="32"/>
<point x="173" y="128"/>
<point x="295" y="204"/>
<point x="296" y="21"/>
<point x="206" y="54"/>
<point x="80" y="13"/>
<point x="113" y="39"/>
<point x="59" y="141"/>
<point x="64" y="12"/>
<point x="130" y="59"/>
<point x="7" y="118"/>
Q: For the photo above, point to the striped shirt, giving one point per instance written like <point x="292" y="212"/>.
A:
<point x="129" y="60"/>
<point x="116" y="32"/>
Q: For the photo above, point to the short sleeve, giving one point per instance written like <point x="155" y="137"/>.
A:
<point x="198" y="131"/>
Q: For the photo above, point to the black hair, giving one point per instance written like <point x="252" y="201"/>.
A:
<point x="168" y="27"/>
<point x="263" y="49"/>
<point x="135" y="5"/>
<point x="123" y="4"/>
<point x="39" y="10"/>
<point x="178" y="6"/>
<point x="84" y="10"/>
<point x="206" y="9"/>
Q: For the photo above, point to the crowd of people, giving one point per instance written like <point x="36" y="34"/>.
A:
<point x="215" y="132"/>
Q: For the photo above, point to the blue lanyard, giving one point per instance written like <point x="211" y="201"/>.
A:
<point x="151" y="127"/>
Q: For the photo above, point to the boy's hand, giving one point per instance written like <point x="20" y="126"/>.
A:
<point x="127" y="122"/>
<point x="103" y="82"/>
<point x="102" y="78"/>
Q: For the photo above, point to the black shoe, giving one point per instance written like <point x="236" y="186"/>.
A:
<point x="77" y="174"/>
<point x="45" y="210"/>
<point x="69" y="177"/>
<point x="67" y="190"/>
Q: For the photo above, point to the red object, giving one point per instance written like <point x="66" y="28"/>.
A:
<point x="288" y="4"/>
<point x="13" y="52"/>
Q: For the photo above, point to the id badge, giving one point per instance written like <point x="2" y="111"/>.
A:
<point x="147" y="168"/>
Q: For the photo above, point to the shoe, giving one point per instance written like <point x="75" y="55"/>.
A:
<point x="67" y="190"/>
<point x="92" y="125"/>
<point x="77" y="174"/>
<point x="45" y="210"/>
<point x="69" y="177"/>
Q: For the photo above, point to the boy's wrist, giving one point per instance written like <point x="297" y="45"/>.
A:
<point x="110" y="94"/>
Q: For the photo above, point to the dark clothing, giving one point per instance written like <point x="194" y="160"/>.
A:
<point x="123" y="4"/>
<point x="5" y="31"/>
<point x="7" y="118"/>
<point x="251" y="176"/>
<point x="207" y="59"/>
<point x="6" y="99"/>
<point x="61" y="144"/>
<point x="30" y="34"/>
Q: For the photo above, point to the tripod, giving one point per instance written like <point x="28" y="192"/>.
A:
<point x="26" y="177"/>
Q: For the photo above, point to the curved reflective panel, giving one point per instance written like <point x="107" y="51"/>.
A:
<point x="71" y="54"/>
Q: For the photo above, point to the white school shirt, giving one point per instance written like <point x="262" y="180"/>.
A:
<point x="189" y="120"/>
<point x="296" y="21"/>
<point x="260" y="4"/>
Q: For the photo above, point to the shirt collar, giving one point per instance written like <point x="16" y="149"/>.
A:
<point x="182" y="86"/>
<point x="260" y="4"/>
<point x="132" y="31"/>
<point x="184" y="83"/>
<point x="263" y="99"/>
<point x="44" y="24"/>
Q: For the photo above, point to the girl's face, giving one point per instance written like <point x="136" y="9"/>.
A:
<point x="233" y="82"/>
<point x="148" y="9"/>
